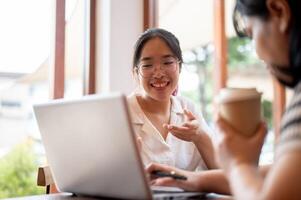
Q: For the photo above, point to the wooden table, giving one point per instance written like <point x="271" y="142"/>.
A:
<point x="68" y="196"/>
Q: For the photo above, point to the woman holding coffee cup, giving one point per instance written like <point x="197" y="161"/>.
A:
<point x="275" y="27"/>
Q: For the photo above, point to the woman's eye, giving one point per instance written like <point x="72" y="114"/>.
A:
<point x="147" y="65"/>
<point x="168" y="63"/>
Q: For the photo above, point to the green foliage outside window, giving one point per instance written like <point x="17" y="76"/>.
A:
<point x="241" y="54"/>
<point x="18" y="172"/>
<point x="267" y="112"/>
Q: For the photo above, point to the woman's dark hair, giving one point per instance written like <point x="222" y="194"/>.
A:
<point x="248" y="8"/>
<point x="169" y="38"/>
<point x="258" y="8"/>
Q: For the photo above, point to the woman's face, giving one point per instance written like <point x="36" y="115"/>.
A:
<point x="158" y="70"/>
<point x="271" y="43"/>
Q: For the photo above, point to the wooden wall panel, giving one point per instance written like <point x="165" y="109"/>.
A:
<point x="150" y="14"/>
<point x="57" y="76"/>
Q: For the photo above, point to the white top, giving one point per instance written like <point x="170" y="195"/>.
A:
<point x="173" y="151"/>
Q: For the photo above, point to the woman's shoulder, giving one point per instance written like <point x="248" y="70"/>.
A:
<point x="290" y="137"/>
<point x="132" y="99"/>
<point x="132" y="102"/>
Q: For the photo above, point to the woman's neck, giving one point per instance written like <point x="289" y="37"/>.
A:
<point x="151" y="105"/>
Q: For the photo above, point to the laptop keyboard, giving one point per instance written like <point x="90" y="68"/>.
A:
<point x="161" y="192"/>
<point x="164" y="189"/>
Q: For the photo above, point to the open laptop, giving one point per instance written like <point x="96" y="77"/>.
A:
<point x="91" y="149"/>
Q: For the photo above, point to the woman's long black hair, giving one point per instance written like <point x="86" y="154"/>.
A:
<point x="258" y="8"/>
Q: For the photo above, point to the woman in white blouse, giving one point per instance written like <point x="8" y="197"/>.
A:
<point x="169" y="128"/>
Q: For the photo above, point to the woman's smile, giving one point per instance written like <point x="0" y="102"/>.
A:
<point x="160" y="85"/>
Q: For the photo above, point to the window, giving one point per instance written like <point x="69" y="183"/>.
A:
<point x="25" y="42"/>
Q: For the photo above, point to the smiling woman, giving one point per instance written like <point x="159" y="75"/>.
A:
<point x="168" y="128"/>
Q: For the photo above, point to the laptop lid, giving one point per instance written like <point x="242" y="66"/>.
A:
<point x="91" y="148"/>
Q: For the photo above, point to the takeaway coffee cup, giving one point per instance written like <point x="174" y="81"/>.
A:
<point x="241" y="108"/>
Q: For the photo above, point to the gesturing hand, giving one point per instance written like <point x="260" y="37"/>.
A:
<point x="188" y="131"/>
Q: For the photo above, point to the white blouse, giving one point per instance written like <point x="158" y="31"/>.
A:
<point x="173" y="151"/>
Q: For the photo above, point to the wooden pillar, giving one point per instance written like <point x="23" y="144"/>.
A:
<point x="57" y="62"/>
<point x="90" y="68"/>
<point x="57" y="76"/>
<point x="220" y="44"/>
<point x="278" y="107"/>
<point x="150" y="14"/>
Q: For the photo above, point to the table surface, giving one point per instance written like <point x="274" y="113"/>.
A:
<point x="68" y="196"/>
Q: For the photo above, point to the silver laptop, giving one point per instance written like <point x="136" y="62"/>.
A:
<point x="91" y="149"/>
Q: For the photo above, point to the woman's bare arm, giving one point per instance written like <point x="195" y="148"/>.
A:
<point x="205" y="147"/>
<point x="283" y="181"/>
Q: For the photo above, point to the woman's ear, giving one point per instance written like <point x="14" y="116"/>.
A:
<point x="280" y="10"/>
<point x="135" y="74"/>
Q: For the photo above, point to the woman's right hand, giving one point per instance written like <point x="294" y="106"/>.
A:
<point x="193" y="182"/>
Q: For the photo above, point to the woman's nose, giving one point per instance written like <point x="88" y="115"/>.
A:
<point x="158" y="72"/>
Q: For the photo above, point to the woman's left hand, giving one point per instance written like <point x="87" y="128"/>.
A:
<point x="189" y="131"/>
<point x="233" y="148"/>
